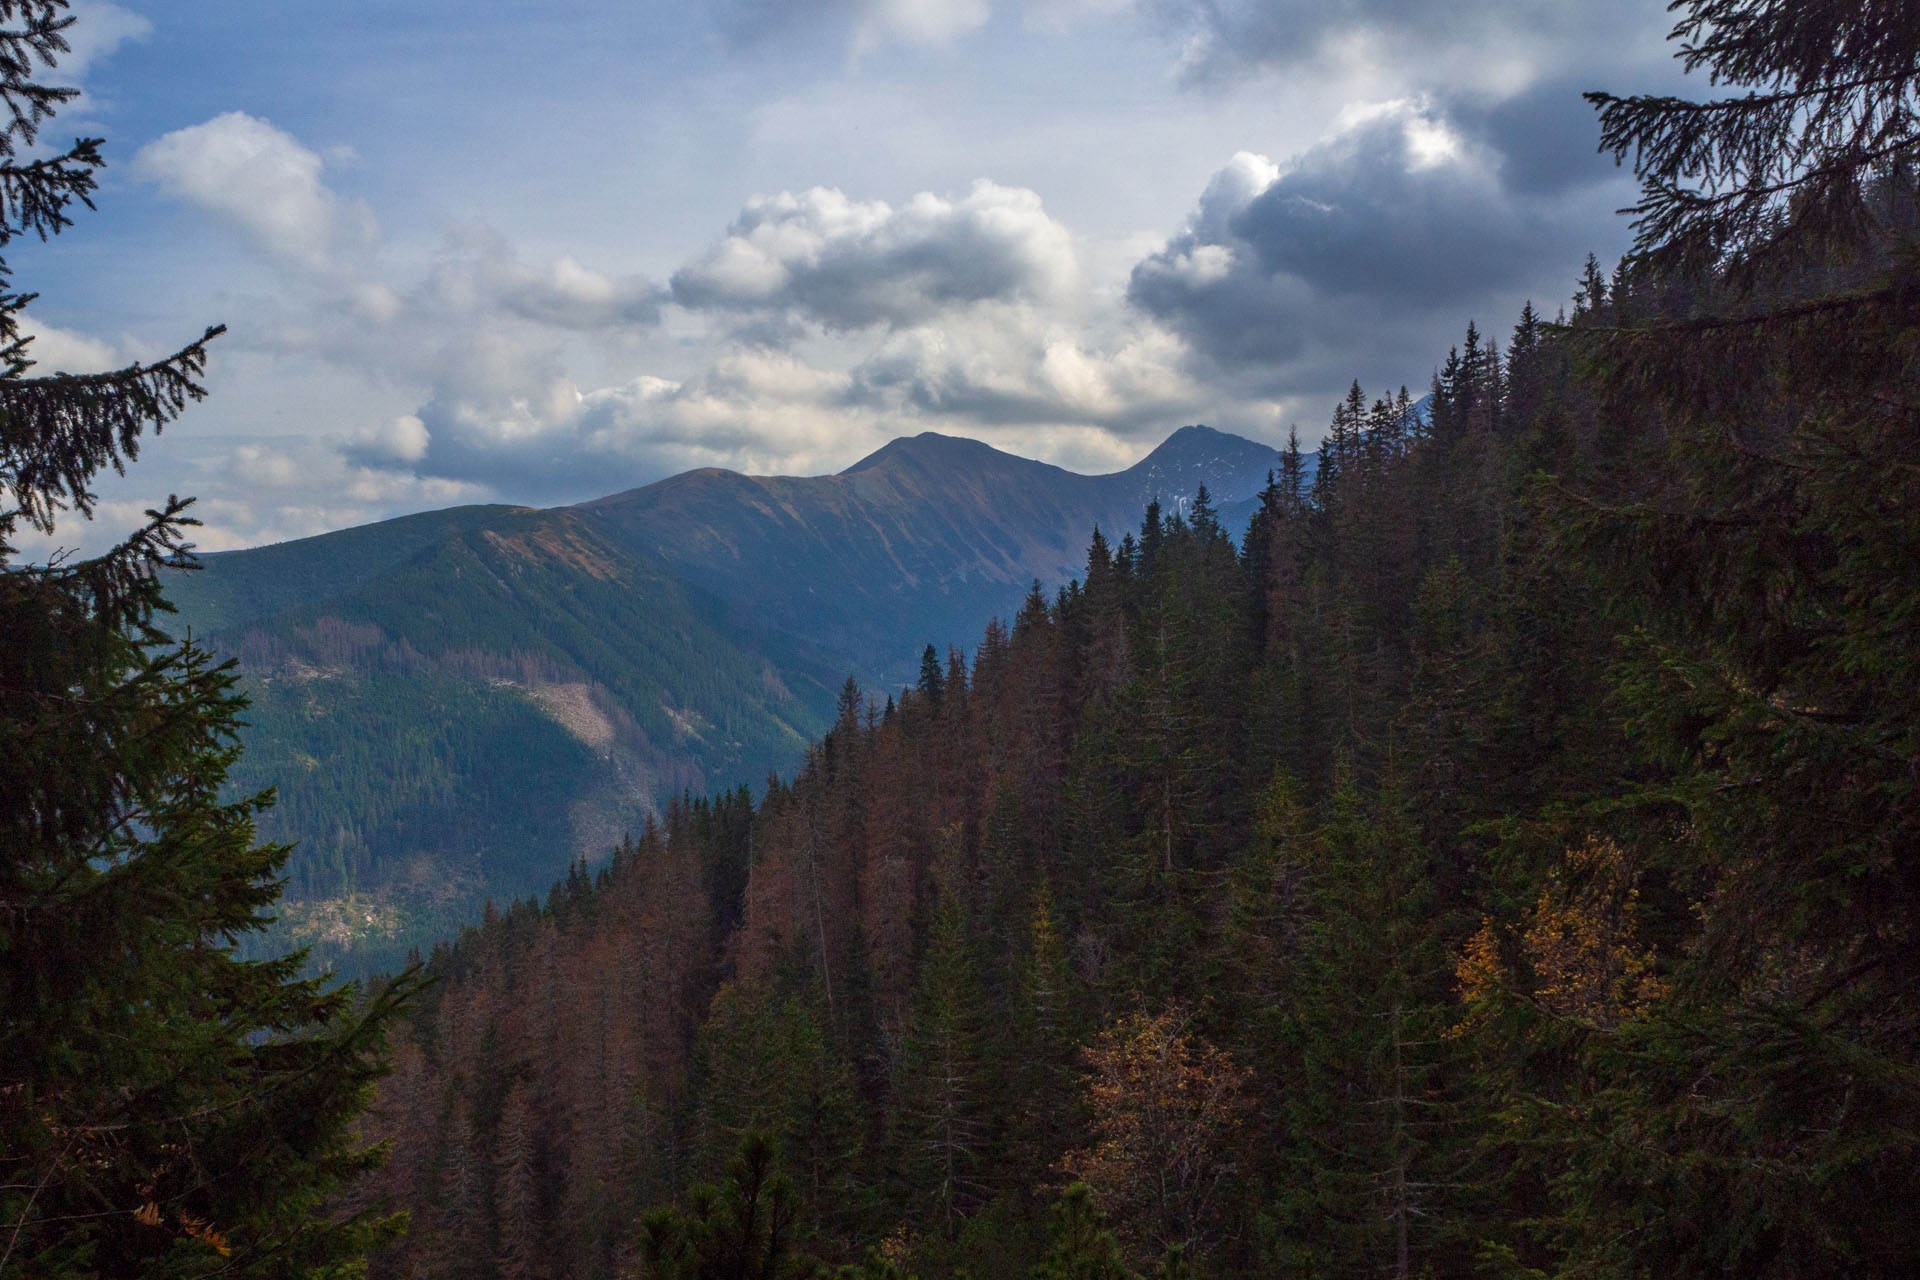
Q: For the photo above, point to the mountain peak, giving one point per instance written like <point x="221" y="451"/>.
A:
<point x="1198" y="442"/>
<point x="927" y="448"/>
<point x="1233" y="467"/>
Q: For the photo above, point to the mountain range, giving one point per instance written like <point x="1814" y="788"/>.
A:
<point x="456" y="705"/>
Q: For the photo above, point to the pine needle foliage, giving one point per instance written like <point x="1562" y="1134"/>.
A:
<point x="1833" y="87"/>
<point x="165" y="1108"/>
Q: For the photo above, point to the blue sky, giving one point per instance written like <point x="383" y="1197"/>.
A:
<point x="484" y="251"/>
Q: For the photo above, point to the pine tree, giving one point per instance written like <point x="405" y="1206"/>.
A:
<point x="517" y="1191"/>
<point x="460" y="1245"/>
<point x="764" y="1067"/>
<point x="1756" y="530"/>
<point x="941" y="1114"/>
<point x="932" y="682"/>
<point x="1080" y="1245"/>
<point x="745" y="1228"/>
<point x="1374" y="1158"/>
<point x="1781" y="172"/>
<point x="164" y="1105"/>
<point x="1044" y="1076"/>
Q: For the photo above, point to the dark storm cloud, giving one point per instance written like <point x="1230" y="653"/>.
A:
<point x="1367" y="254"/>
<point x="1432" y="43"/>
<point x="1547" y="136"/>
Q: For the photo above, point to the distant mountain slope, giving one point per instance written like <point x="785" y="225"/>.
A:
<point x="239" y="586"/>
<point x="464" y="721"/>
<point x="454" y="705"/>
<point x="919" y="542"/>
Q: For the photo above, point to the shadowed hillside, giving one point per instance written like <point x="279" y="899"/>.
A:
<point x="456" y="705"/>
<point x="919" y="542"/>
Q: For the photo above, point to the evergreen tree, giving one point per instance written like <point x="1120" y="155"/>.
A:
<point x="764" y="1067"/>
<point x="745" y="1228"/>
<point x="1756" y="530"/>
<point x="1044" y="1076"/>
<point x="165" y="1106"/>
<point x="1080" y="1246"/>
<point x="942" y="1134"/>
<point x="932" y="682"/>
<point x="1783" y="172"/>
<point x="516" y="1183"/>
<point x="1375" y="1154"/>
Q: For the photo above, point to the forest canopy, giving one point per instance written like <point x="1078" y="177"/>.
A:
<point x="1500" y="862"/>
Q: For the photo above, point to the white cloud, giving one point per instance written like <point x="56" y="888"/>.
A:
<point x="1010" y="366"/>
<point x="479" y="269"/>
<point x="271" y="491"/>
<point x="250" y="492"/>
<point x="1061" y="16"/>
<point x="1365" y="255"/>
<point x="396" y="442"/>
<point x="748" y="410"/>
<point x="847" y="264"/>
<point x="870" y="23"/>
<point x="1482" y="46"/>
<point x="262" y="181"/>
<point x="65" y="351"/>
<point x="917" y="22"/>
<point x="98" y="29"/>
<point x="1006" y="372"/>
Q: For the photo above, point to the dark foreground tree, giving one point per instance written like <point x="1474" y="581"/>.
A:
<point x="166" y="1109"/>
<point x="1758" y="538"/>
<point x="743" y="1229"/>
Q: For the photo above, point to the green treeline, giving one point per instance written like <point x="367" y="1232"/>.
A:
<point x="1499" y="863"/>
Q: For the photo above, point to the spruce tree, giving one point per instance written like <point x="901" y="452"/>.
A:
<point x="940" y="1119"/>
<point x="1080" y="1245"/>
<point x="744" y="1227"/>
<point x="1373" y="1159"/>
<point x="1756" y="540"/>
<point x="166" y="1108"/>
<point x="1777" y="174"/>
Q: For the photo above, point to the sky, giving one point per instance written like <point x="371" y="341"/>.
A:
<point x="480" y="251"/>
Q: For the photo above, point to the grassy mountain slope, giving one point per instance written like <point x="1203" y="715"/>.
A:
<point x="921" y="541"/>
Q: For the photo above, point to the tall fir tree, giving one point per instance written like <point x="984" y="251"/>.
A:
<point x="165" y="1106"/>
<point x="1754" y="536"/>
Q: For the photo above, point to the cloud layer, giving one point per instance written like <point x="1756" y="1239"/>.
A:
<point x="819" y="324"/>
<point x="1044" y="223"/>
<point x="845" y="264"/>
<point x="1361" y="252"/>
<point x="1486" y="44"/>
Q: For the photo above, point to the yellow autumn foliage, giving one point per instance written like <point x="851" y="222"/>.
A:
<point x="1580" y="943"/>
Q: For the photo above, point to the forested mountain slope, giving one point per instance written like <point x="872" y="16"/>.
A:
<point x="456" y="705"/>
<point x="486" y="696"/>
<point x="1498" y="863"/>
<point x="235" y="587"/>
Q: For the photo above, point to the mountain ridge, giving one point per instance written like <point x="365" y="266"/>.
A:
<point x="499" y="690"/>
<point x="914" y="534"/>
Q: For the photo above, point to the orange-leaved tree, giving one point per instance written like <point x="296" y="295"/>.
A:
<point x="1167" y="1109"/>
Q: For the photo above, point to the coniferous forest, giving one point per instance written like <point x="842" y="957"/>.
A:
<point x="1504" y="861"/>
